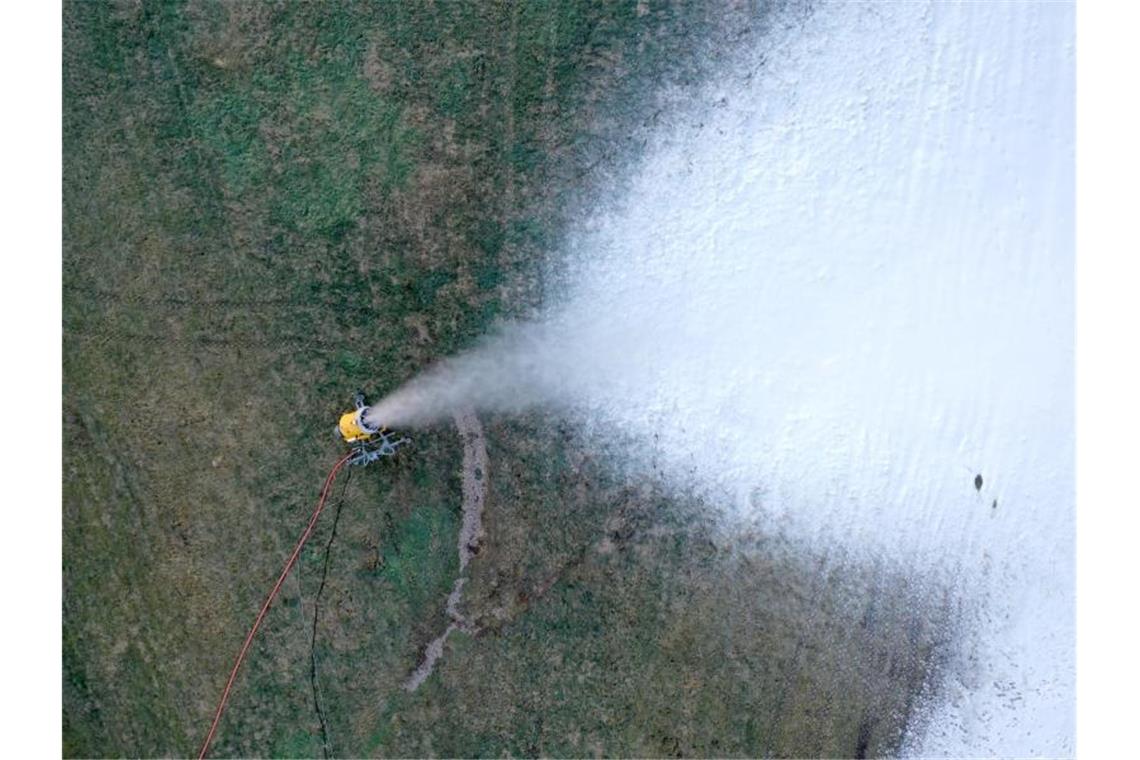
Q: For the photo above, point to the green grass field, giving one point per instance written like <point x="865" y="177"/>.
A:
<point x="269" y="205"/>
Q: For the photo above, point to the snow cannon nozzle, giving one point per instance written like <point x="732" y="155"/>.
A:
<point x="368" y="440"/>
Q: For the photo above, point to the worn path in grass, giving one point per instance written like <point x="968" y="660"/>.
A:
<point x="470" y="537"/>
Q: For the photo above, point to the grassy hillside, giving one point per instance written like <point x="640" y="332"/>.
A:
<point x="268" y="205"/>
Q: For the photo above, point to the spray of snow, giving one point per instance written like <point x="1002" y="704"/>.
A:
<point x="838" y="289"/>
<point x="522" y="366"/>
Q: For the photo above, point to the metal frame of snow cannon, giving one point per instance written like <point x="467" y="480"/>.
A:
<point x="368" y="443"/>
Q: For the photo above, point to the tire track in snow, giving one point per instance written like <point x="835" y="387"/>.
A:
<point x="470" y="537"/>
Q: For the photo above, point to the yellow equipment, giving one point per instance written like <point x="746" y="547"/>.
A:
<point x="352" y="427"/>
<point x="368" y="441"/>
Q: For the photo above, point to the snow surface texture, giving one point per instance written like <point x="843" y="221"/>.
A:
<point x="838" y="288"/>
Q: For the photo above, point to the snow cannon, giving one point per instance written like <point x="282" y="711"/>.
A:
<point x="368" y="441"/>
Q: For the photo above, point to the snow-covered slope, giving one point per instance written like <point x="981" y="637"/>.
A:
<point x="841" y="287"/>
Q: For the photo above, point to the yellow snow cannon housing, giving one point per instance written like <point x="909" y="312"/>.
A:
<point x="353" y="428"/>
<point x="368" y="442"/>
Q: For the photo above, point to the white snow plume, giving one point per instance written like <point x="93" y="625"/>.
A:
<point x="844" y="289"/>
<point x="841" y="287"/>
<point x="518" y="368"/>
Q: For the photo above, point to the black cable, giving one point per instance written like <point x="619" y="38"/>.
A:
<point x="316" y="614"/>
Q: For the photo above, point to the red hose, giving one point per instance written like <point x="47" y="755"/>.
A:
<point x="269" y="600"/>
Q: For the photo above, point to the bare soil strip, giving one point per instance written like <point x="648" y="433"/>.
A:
<point x="470" y="537"/>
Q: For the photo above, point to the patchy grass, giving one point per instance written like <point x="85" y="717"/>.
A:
<point x="268" y="205"/>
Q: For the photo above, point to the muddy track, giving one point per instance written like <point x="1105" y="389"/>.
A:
<point x="470" y="538"/>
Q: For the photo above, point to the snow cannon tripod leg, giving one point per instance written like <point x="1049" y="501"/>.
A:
<point x="385" y="446"/>
<point x="388" y="446"/>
